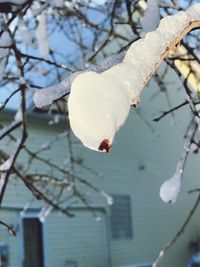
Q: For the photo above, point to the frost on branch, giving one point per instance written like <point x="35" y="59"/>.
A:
<point x="47" y="96"/>
<point x="99" y="103"/>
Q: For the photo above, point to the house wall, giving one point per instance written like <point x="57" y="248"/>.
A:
<point x="143" y="157"/>
<point x="157" y="152"/>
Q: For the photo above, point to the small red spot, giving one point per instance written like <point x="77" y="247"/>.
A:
<point x="105" y="145"/>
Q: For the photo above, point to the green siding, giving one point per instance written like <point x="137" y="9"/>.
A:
<point x="81" y="239"/>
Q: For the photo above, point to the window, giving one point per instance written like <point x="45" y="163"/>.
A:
<point x="121" y="221"/>
<point x="33" y="243"/>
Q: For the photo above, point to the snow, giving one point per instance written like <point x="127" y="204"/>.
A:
<point x="151" y="17"/>
<point x="71" y="5"/>
<point x="45" y="211"/>
<point x="99" y="103"/>
<point x="42" y="35"/>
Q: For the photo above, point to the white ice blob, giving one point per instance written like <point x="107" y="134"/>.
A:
<point x="98" y="107"/>
<point x="170" y="189"/>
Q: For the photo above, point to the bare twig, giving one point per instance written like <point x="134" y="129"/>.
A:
<point x="163" y="252"/>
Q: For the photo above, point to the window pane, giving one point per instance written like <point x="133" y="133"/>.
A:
<point x="33" y="245"/>
<point x="121" y="222"/>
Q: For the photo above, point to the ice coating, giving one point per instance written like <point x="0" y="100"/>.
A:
<point x="98" y="110"/>
<point x="170" y="189"/>
<point x="99" y="103"/>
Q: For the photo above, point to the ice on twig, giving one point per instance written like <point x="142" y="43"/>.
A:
<point x="5" y="166"/>
<point x="170" y="189"/>
<point x="99" y="103"/>
<point x="46" y="96"/>
<point x="42" y="35"/>
<point x="121" y="85"/>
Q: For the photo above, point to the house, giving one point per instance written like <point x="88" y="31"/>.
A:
<point x="138" y="224"/>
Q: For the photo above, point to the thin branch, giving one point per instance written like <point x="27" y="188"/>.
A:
<point x="62" y="66"/>
<point x="180" y="231"/>
<point x="165" y="113"/>
<point x="8" y="99"/>
<point x="8" y="129"/>
<point x="9" y="227"/>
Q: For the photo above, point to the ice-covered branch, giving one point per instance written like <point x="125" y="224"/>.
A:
<point x="47" y="96"/>
<point x="99" y="103"/>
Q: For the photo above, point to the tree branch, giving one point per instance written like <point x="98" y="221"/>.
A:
<point x="180" y="231"/>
